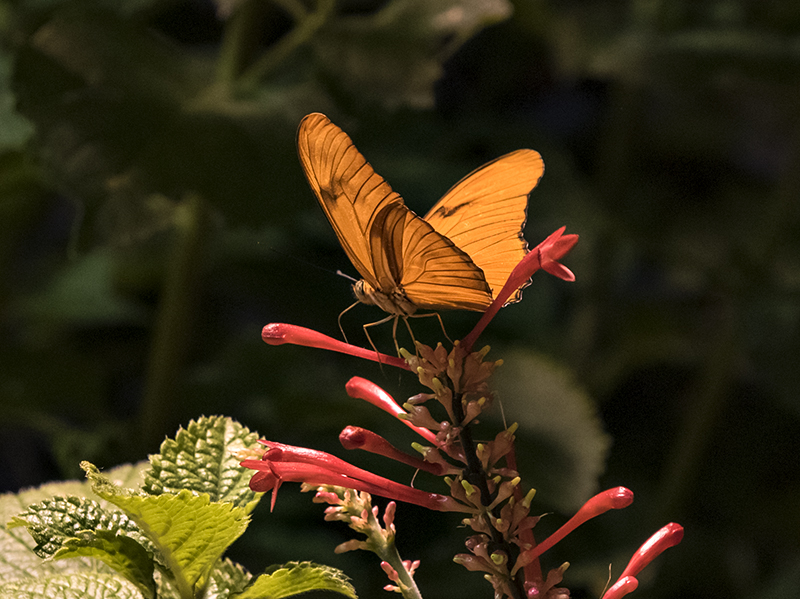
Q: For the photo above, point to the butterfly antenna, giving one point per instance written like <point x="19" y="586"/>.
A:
<point x="308" y="263"/>
<point x="346" y="276"/>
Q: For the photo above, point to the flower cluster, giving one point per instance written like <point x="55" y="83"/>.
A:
<point x="483" y="481"/>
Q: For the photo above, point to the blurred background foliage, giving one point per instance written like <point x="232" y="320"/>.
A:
<point x="153" y="217"/>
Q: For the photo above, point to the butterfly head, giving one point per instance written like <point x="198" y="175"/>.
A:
<point x="395" y="303"/>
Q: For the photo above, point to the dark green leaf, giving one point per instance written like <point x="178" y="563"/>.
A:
<point x="226" y="579"/>
<point x="560" y="431"/>
<point x="394" y="57"/>
<point x="55" y="520"/>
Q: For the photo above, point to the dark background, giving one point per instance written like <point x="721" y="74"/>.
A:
<point x="154" y="216"/>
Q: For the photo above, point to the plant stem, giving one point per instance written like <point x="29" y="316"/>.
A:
<point x="475" y="475"/>
<point x="239" y="41"/>
<point x="283" y="48"/>
<point x="173" y="323"/>
<point x="690" y="450"/>
<point x="406" y="583"/>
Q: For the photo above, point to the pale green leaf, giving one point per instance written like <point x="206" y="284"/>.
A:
<point x="295" y="578"/>
<point x="52" y="521"/>
<point x="82" y="293"/>
<point x="17" y="558"/>
<point x="15" y="129"/>
<point x="200" y="459"/>
<point x="83" y="585"/>
<point x="190" y="531"/>
<point x="561" y="447"/>
<point x="227" y="578"/>
<point x="123" y="554"/>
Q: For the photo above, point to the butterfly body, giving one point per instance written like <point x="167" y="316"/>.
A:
<point x="394" y="302"/>
<point x="456" y="257"/>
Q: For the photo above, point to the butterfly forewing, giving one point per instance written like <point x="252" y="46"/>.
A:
<point x="349" y="191"/>
<point x="484" y="213"/>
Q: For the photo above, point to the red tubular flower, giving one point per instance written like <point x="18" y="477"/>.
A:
<point x="354" y="437"/>
<point x="360" y="388"/>
<point x="544" y="256"/>
<point x="668" y="536"/>
<point x="278" y="333"/>
<point x="286" y="463"/>
<point x="622" y="587"/>
<point x="611" y="499"/>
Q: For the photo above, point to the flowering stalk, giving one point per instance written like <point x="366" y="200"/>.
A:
<point x="359" y="388"/>
<point x="668" y="536"/>
<point x="355" y="437"/>
<point x="612" y="499"/>
<point x="482" y="476"/>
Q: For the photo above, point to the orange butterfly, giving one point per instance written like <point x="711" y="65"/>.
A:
<point x="456" y="257"/>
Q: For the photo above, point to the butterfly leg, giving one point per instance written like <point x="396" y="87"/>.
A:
<point x="413" y="339"/>
<point x="441" y="324"/>
<point x="373" y="324"/>
<point x="339" y="320"/>
<point x="394" y="333"/>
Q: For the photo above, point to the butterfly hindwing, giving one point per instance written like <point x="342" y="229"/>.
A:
<point x="484" y="213"/>
<point x="438" y="275"/>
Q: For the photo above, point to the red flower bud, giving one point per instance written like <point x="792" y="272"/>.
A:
<point x="360" y="388"/>
<point x="611" y="499"/>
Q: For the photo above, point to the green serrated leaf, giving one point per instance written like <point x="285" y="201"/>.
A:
<point x="200" y="459"/>
<point x="130" y="476"/>
<point x="83" y="585"/>
<point x="295" y="578"/>
<point x="227" y="578"/>
<point x="17" y="558"/>
<point x="123" y="554"/>
<point x="190" y="531"/>
<point x="54" y="520"/>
